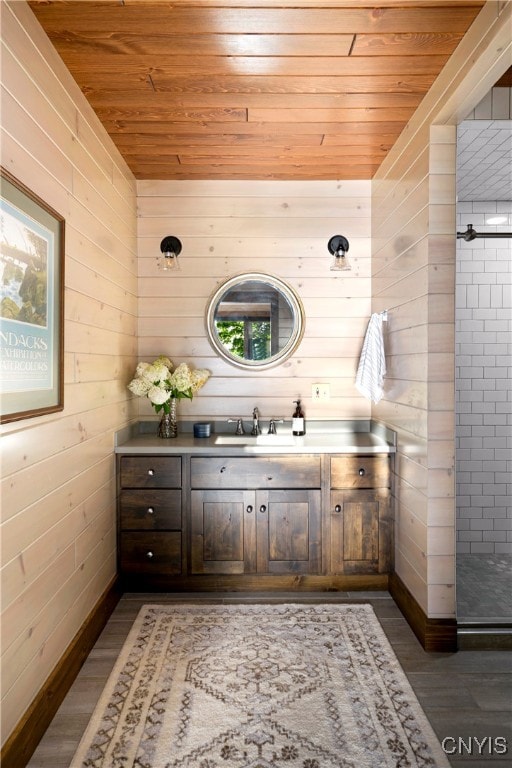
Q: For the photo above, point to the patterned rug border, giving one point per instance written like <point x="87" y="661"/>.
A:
<point x="82" y="758"/>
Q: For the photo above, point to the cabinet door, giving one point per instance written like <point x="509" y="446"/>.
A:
<point x="288" y="525"/>
<point x="223" y="530"/>
<point x="360" y="532"/>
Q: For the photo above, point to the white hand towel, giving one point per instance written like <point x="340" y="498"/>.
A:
<point x="372" y="363"/>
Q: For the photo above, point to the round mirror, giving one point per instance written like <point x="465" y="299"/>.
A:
<point x="254" y="320"/>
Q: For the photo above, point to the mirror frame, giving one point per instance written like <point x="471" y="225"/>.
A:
<point x="278" y="285"/>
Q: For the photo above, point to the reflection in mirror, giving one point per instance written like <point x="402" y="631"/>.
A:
<point x="254" y="320"/>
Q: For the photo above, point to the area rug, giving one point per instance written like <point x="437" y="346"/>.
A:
<point x="258" y="686"/>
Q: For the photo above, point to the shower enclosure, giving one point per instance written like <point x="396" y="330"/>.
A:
<point x="483" y="347"/>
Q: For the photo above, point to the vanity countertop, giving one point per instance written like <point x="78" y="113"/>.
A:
<point x="361" y="437"/>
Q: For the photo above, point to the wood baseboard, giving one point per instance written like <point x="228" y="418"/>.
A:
<point x="433" y="634"/>
<point x="255" y="583"/>
<point x="21" y="744"/>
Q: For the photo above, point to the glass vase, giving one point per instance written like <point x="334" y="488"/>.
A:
<point x="168" y="426"/>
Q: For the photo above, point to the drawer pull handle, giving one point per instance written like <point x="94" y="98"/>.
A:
<point x="337" y="508"/>
<point x="249" y="509"/>
<point x="151" y="472"/>
<point x="270" y="477"/>
<point x="263" y="508"/>
<point x="151" y="511"/>
<point x="149" y="555"/>
<point x="362" y="472"/>
<point x="223" y="469"/>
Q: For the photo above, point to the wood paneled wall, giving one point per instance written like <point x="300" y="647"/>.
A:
<point x="58" y="491"/>
<point x="413" y="273"/>
<point x="58" y="488"/>
<point x="277" y="227"/>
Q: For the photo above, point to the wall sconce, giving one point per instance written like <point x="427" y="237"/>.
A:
<point x="171" y="249"/>
<point x="338" y="246"/>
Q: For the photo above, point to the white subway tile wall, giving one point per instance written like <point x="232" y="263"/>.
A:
<point x="483" y="350"/>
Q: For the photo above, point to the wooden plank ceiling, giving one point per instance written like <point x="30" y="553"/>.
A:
<point x="255" y="89"/>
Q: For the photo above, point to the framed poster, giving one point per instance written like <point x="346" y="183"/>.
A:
<point x="31" y="303"/>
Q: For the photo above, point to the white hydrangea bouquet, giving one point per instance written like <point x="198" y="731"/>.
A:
<point x="161" y="384"/>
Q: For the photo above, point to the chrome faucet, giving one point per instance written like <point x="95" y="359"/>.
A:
<point x="255" y="422"/>
<point x="272" y="426"/>
<point x="239" y="426"/>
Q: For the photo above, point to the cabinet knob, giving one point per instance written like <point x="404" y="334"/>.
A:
<point x="263" y="508"/>
<point x="362" y="472"/>
<point x="151" y="472"/>
<point x="249" y="509"/>
<point x="149" y="555"/>
<point x="150" y="511"/>
<point x="223" y="469"/>
<point x="337" y="508"/>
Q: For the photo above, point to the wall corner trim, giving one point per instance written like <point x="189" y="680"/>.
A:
<point x="434" y="634"/>
<point x="21" y="744"/>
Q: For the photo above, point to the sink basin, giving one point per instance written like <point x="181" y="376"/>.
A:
<point x="276" y="440"/>
<point x="231" y="440"/>
<point x="255" y="440"/>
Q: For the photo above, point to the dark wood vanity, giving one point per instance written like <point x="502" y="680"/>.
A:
<point x="216" y="521"/>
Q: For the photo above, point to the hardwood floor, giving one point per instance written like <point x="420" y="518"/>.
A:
<point x="466" y="695"/>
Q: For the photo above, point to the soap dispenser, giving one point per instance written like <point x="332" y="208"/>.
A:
<point x="298" y="421"/>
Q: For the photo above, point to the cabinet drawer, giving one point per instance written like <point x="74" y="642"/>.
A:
<point x="151" y="510"/>
<point x="150" y="472"/>
<point x="149" y="553"/>
<point x="261" y="472"/>
<point x="360" y="472"/>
